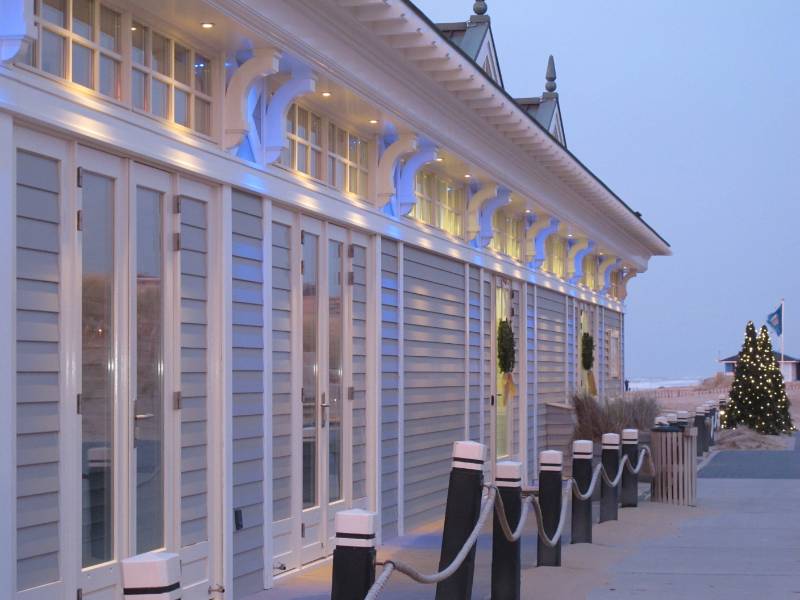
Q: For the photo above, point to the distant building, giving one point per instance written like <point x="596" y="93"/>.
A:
<point x="790" y="366"/>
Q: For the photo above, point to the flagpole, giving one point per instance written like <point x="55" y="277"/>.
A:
<point x="783" y="326"/>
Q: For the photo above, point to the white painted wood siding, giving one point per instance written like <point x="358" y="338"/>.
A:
<point x="551" y="354"/>
<point x="476" y="397"/>
<point x="38" y="389"/>
<point x="434" y="336"/>
<point x="359" y="352"/>
<point x="613" y="322"/>
<point x="530" y="365"/>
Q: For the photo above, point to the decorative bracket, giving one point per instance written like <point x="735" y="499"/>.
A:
<point x="605" y="270"/>
<point x="300" y="83"/>
<point x="263" y="63"/>
<point x="536" y="238"/>
<point x="623" y="284"/>
<point x="405" y="144"/>
<point x="404" y="197"/>
<point x="482" y="206"/>
<point x="577" y="251"/>
<point x="16" y="28"/>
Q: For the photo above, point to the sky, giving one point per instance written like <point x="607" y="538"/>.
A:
<point x="689" y="111"/>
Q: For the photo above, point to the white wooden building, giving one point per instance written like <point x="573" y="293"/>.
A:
<point x="255" y="253"/>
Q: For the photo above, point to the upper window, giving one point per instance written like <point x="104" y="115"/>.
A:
<point x="304" y="153"/>
<point x="556" y="255"/>
<point x="590" y="272"/>
<point x="440" y="203"/>
<point x="82" y="41"/>
<point x="347" y="161"/>
<point x="616" y="282"/>
<point x="508" y="234"/>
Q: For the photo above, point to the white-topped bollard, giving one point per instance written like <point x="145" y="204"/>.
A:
<point x="582" y="455"/>
<point x="672" y="418"/>
<point x="629" y="494"/>
<point x="609" y="496"/>
<point x="551" y="465"/>
<point x="354" y="555"/>
<point x="152" y="576"/>
<point x="702" y="430"/>
<point x="683" y="418"/>
<point x="460" y="516"/>
<point x="507" y="556"/>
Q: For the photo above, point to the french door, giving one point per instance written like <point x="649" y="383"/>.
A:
<point x="502" y="406"/>
<point x="325" y="419"/>
<point x="127" y="362"/>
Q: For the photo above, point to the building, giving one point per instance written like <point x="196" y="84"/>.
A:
<point x="257" y="255"/>
<point x="790" y="366"/>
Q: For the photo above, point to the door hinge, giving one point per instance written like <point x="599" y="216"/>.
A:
<point x="351" y="278"/>
<point x="177" y="205"/>
<point x="176" y="242"/>
<point x="302" y="530"/>
<point x="78" y="403"/>
<point x="351" y="393"/>
<point x="351" y="251"/>
<point x="79" y="594"/>
<point x="491" y="399"/>
<point x="176" y="400"/>
<point x="79" y="177"/>
<point x="79" y="220"/>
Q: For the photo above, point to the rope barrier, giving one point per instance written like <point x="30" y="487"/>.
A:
<point x="495" y="501"/>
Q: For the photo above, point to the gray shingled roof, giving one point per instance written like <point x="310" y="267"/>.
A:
<point x="786" y="358"/>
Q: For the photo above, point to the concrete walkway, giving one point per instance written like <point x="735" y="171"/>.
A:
<point x="741" y="541"/>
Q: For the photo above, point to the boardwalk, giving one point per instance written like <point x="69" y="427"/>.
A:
<point x="742" y="541"/>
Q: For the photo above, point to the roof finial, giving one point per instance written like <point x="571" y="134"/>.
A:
<point x="479" y="7"/>
<point x="550" y="75"/>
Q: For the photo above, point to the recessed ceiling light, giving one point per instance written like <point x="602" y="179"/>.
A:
<point x="133" y="28"/>
<point x="207" y="25"/>
<point x="439" y="159"/>
<point x="528" y="210"/>
<point x="569" y="235"/>
<point x="467" y="176"/>
<point x="326" y="94"/>
<point x="373" y="121"/>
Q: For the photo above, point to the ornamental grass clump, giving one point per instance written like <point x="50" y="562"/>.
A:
<point x="596" y="417"/>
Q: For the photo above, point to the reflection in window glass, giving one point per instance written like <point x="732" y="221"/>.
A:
<point x="148" y="426"/>
<point x="159" y="98"/>
<point x="53" y="12"/>
<point x="202" y="116"/>
<point x="139" y="90"/>
<point x="109" y="29"/>
<point x="97" y="376"/>
<point x="139" y="43"/>
<point x="160" y="57"/>
<point x="83" y="18"/>
<point x="310" y="365"/>
<point x="182" y="64"/>
<point x="202" y="74"/>
<point x="335" y="388"/>
<point x="109" y="77"/>
<point x="52" y="53"/>
<point x="181" y="107"/>
<point x="82" y="59"/>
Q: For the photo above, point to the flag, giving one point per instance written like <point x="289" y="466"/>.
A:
<point x="775" y="320"/>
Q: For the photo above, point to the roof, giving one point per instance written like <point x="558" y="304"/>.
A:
<point x="786" y="358"/>
<point x="471" y="37"/>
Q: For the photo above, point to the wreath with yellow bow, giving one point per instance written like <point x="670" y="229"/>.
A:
<point x="506" y="356"/>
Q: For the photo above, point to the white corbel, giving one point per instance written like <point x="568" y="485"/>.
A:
<point x="300" y="83"/>
<point x="482" y="206"/>
<point x="577" y="251"/>
<point x="404" y="197"/>
<point x="536" y="239"/>
<point x="16" y="28"/>
<point x="627" y="275"/>
<point x="263" y="63"/>
<point x="607" y="267"/>
<point x="405" y="144"/>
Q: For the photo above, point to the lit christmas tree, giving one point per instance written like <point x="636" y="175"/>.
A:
<point x="772" y="412"/>
<point x="744" y="386"/>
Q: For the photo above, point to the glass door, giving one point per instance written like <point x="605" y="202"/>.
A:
<point x="324" y="300"/>
<point x="501" y="415"/>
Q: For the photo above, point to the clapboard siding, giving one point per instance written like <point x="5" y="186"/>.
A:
<point x="194" y="372"/>
<point x="434" y="337"/>
<point x="38" y="391"/>
<point x="551" y="354"/>
<point x="248" y="391"/>
<point x="612" y="380"/>
<point x="513" y="403"/>
<point x="530" y="365"/>
<point x="359" y="353"/>
<point x="489" y="363"/>
<point x="281" y="384"/>
<point x="475" y="395"/>
<point x="573" y="324"/>
<point x="390" y="361"/>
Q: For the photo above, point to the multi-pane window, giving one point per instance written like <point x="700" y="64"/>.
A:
<point x="508" y="234"/>
<point x="347" y="161"/>
<point x="440" y="203"/>
<point x="82" y="41"/>
<point x="616" y="283"/>
<point x="556" y="255"/>
<point x="304" y="131"/>
<point x="170" y="80"/>
<point x="590" y="272"/>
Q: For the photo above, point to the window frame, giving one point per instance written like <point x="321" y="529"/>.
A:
<point x="440" y="197"/>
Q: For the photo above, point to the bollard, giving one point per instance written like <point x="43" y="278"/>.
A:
<point x="700" y="424"/>
<point x="629" y="494"/>
<point x="683" y="418"/>
<point x="460" y="516"/>
<point x="609" y="496"/>
<point x="507" y="556"/>
<point x="354" y="555"/>
<point x="709" y="411"/>
<point x="714" y="422"/>
<point x="672" y="418"/>
<point x="550" y="467"/>
<point x="582" y="451"/>
<point x="152" y="575"/>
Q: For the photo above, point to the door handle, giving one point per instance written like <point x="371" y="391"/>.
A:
<point x="491" y="399"/>
<point x="144" y="416"/>
<point x="323" y="405"/>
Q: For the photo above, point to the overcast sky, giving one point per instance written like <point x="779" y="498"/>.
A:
<point x="689" y="111"/>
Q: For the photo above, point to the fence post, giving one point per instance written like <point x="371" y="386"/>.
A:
<point x="609" y="496"/>
<point x="629" y="495"/>
<point x="700" y="424"/>
<point x="506" y="556"/>
<point x="550" y="468"/>
<point x="354" y="555"/>
<point x="582" y="451"/>
<point x="713" y="410"/>
<point x="709" y="412"/>
<point x="460" y="516"/>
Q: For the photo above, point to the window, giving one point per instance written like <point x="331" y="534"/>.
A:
<point x="616" y="281"/>
<point x="590" y="272"/>
<point x="170" y="80"/>
<point x="347" y="161"/>
<point x="304" y="130"/>
<point x="556" y="255"/>
<point x="440" y="203"/>
<point x="81" y="41"/>
<point x="508" y="235"/>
